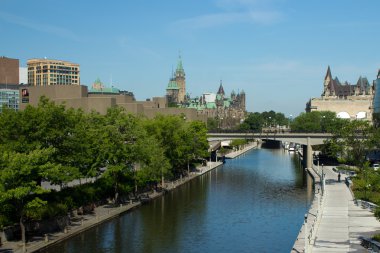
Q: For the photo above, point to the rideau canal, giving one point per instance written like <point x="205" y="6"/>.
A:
<point x="254" y="203"/>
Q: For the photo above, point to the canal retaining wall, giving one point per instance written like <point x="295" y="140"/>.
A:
<point x="306" y="235"/>
<point x="242" y="150"/>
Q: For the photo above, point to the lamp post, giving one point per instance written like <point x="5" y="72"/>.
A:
<point x="323" y="181"/>
<point x="318" y="165"/>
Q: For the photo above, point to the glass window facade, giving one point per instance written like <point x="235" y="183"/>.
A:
<point x="10" y="98"/>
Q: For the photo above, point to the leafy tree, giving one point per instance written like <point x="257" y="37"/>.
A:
<point x="168" y="130"/>
<point x="317" y="122"/>
<point x="154" y="166"/>
<point x="116" y="149"/>
<point x="253" y="122"/>
<point x="19" y="173"/>
<point x="351" y="142"/>
<point x="212" y="124"/>
<point x="256" y="121"/>
<point x="82" y="144"/>
<point x="195" y="141"/>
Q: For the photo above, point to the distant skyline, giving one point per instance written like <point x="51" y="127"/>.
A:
<point x="277" y="51"/>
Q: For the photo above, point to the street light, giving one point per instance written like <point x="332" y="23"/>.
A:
<point x="318" y="165"/>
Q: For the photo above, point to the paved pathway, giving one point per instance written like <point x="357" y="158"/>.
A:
<point x="241" y="151"/>
<point x="342" y="221"/>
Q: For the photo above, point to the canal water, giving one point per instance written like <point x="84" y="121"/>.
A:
<point x="254" y="203"/>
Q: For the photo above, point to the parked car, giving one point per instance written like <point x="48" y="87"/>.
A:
<point x="375" y="166"/>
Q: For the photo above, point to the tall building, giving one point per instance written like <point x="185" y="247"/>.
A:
<point x="9" y="71"/>
<point x="46" y="72"/>
<point x="9" y="83"/>
<point x="348" y="101"/>
<point x="176" y="89"/>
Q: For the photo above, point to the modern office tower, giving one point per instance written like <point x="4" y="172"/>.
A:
<point x="46" y="72"/>
<point x="9" y="83"/>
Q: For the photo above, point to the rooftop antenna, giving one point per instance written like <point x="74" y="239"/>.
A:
<point x="111" y="81"/>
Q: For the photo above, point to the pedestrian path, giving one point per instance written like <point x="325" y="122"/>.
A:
<point x="342" y="222"/>
<point x="235" y="154"/>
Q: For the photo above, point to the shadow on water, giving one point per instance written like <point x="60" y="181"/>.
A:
<point x="243" y="206"/>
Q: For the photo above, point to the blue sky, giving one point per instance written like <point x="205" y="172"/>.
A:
<point x="276" y="50"/>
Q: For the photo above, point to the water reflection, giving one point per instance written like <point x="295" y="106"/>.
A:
<point x="254" y="203"/>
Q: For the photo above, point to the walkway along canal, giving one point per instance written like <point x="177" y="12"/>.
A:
<point x="254" y="203"/>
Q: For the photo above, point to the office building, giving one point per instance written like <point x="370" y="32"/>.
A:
<point x="46" y="72"/>
<point x="9" y="83"/>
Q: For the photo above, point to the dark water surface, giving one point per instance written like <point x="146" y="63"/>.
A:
<point x="254" y="203"/>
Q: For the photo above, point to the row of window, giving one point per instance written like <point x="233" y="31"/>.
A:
<point x="9" y="98"/>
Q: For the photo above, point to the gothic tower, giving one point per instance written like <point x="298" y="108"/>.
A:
<point x="180" y="79"/>
<point x="328" y="86"/>
<point x="242" y="100"/>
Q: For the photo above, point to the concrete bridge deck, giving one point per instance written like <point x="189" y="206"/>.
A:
<point x="342" y="221"/>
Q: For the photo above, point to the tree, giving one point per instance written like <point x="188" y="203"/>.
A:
<point x="19" y="174"/>
<point x="116" y="149"/>
<point x="168" y="130"/>
<point x="154" y="166"/>
<point x="317" y="122"/>
<point x="195" y="141"/>
<point x="253" y="122"/>
<point x="351" y="142"/>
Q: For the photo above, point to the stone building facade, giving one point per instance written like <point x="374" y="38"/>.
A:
<point x="350" y="101"/>
<point x="79" y="96"/>
<point x="176" y="89"/>
<point x="229" y="111"/>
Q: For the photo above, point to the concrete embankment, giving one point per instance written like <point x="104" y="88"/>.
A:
<point x="307" y="232"/>
<point x="241" y="151"/>
<point x="100" y="215"/>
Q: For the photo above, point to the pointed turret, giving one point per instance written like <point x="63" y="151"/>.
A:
<point x="221" y="90"/>
<point x="328" y="73"/>
<point x="180" y="71"/>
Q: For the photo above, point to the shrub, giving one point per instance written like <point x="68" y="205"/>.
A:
<point x="376" y="237"/>
<point x="377" y="214"/>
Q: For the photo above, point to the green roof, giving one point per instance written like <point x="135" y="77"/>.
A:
<point x="105" y="90"/>
<point x="179" y="65"/>
<point x="172" y="85"/>
<point x="211" y="105"/>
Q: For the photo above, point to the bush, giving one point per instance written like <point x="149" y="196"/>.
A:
<point x="376" y="237"/>
<point x="4" y="221"/>
<point x="377" y="213"/>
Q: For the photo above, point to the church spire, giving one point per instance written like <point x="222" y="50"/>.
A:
<point x="179" y="64"/>
<point x="221" y="89"/>
<point x="328" y="73"/>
